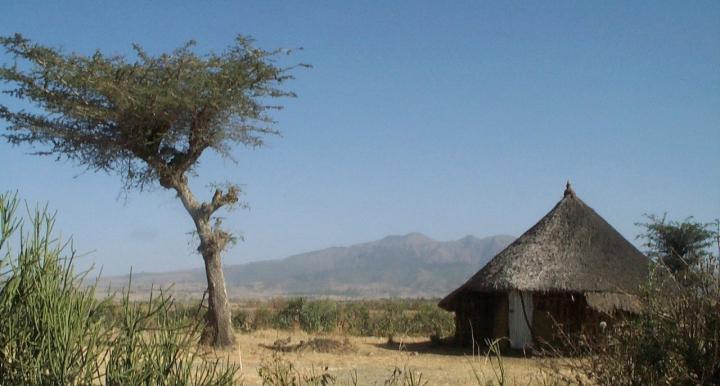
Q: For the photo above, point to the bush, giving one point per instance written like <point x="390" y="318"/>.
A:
<point x="319" y="316"/>
<point x="430" y="320"/>
<point x="55" y="332"/>
<point x="242" y="321"/>
<point x="354" y="318"/>
<point x="152" y="346"/>
<point x="360" y="318"/>
<point x="52" y="331"/>
<point x="392" y="321"/>
<point x="289" y="316"/>
<point x="262" y="318"/>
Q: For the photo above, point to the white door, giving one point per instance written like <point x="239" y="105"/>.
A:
<point x="520" y="335"/>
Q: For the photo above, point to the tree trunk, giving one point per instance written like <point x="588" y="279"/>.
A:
<point x="218" y="322"/>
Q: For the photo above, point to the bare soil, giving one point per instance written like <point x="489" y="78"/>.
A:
<point x="374" y="359"/>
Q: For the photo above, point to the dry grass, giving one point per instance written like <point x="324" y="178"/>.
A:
<point x="374" y="360"/>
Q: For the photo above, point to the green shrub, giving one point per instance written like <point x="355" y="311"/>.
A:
<point x="262" y="318"/>
<point x="382" y="317"/>
<point x="319" y="316"/>
<point x="55" y="332"/>
<point x="354" y="318"/>
<point x="153" y="346"/>
<point x="391" y="321"/>
<point x="430" y="320"/>
<point x="242" y="320"/>
<point x="289" y="316"/>
<point x="52" y="330"/>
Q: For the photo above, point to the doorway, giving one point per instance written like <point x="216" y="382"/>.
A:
<point x="520" y="334"/>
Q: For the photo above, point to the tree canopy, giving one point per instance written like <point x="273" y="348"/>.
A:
<point x="679" y="245"/>
<point x="148" y="119"/>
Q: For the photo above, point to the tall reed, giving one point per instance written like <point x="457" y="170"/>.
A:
<point x="55" y="332"/>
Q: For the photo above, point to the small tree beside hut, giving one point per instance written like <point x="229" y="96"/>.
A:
<point x="679" y="245"/>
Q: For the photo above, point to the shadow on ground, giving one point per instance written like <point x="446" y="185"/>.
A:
<point x="321" y="345"/>
<point x="446" y="348"/>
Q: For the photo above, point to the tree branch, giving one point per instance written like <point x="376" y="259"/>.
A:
<point x="221" y="199"/>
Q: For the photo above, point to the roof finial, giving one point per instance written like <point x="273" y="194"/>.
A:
<point x="568" y="190"/>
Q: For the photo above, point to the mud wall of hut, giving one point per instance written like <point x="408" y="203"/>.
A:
<point x="483" y="316"/>
<point x="567" y="310"/>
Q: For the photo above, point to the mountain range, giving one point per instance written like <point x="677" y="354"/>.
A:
<point x="411" y="265"/>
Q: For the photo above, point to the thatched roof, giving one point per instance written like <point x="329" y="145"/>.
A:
<point x="609" y="303"/>
<point x="571" y="249"/>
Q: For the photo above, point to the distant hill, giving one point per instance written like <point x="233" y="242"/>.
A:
<point x="412" y="265"/>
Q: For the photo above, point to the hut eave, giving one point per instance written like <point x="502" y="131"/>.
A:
<point x="609" y="302"/>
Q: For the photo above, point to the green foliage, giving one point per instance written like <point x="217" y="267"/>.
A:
<point x="248" y="320"/>
<point x="678" y="245"/>
<point x="289" y="316"/>
<point x="319" y="316"/>
<point x="354" y="318"/>
<point x="431" y="320"/>
<point x="263" y="318"/>
<point x="51" y="327"/>
<point x="312" y="316"/>
<point x="399" y="317"/>
<point x="146" y="117"/>
<point x="392" y="321"/>
<point x="55" y="332"/>
<point x="242" y="320"/>
<point x="154" y="345"/>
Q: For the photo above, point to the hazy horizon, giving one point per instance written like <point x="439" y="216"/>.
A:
<point x="200" y="267"/>
<point x="445" y="119"/>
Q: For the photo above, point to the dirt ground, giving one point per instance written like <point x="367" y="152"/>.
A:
<point x="374" y="360"/>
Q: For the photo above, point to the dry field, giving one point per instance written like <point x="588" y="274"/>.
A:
<point x="374" y="360"/>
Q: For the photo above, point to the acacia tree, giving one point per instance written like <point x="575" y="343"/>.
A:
<point x="150" y="120"/>
<point x="680" y="246"/>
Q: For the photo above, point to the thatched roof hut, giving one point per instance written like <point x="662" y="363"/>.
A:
<point x="571" y="268"/>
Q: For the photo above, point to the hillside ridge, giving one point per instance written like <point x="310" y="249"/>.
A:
<point x="410" y="265"/>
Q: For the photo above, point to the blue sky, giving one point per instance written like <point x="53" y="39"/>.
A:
<point x="447" y="118"/>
